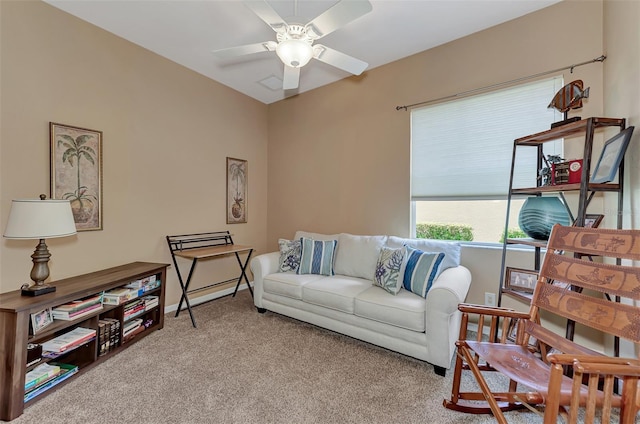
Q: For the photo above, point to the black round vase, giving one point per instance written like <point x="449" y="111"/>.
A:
<point x="539" y="214"/>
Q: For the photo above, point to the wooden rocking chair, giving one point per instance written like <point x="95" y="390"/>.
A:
<point x="570" y="288"/>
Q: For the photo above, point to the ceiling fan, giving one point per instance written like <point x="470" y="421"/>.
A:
<point x="295" y="42"/>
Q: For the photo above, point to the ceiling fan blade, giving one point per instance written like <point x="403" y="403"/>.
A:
<point x="231" y="52"/>
<point x="339" y="60"/>
<point x="267" y="14"/>
<point x="291" y="77"/>
<point x="337" y="16"/>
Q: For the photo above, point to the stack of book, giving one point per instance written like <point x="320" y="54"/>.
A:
<point x="133" y="309"/>
<point x="78" y="308"/>
<point x="67" y="341"/>
<point x="150" y="302"/>
<point x="132" y="328"/>
<point x="108" y="335"/>
<point x="120" y="295"/>
<point x="45" y="376"/>
<point x="146" y="284"/>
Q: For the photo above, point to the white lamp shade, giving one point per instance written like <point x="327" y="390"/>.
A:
<point x="40" y="219"/>
<point x="294" y="53"/>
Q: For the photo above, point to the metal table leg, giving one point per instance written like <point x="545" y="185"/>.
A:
<point x="185" y="288"/>
<point x="243" y="273"/>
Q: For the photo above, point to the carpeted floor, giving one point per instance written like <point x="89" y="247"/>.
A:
<point x="239" y="366"/>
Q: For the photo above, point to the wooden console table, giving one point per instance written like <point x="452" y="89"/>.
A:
<point x="203" y="246"/>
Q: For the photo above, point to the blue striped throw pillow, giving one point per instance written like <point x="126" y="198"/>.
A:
<point x="419" y="270"/>
<point x="317" y="256"/>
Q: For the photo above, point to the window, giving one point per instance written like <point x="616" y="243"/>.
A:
<point x="461" y="155"/>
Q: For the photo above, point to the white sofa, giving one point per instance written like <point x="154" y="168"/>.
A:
<point x="349" y="303"/>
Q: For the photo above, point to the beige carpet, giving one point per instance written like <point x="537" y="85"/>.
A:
<point x="239" y="366"/>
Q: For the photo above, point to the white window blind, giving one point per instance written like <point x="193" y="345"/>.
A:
<point x="462" y="149"/>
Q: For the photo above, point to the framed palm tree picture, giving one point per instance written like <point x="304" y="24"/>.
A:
<point x="76" y="172"/>
<point x="237" y="174"/>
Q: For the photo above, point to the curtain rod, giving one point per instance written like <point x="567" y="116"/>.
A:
<point x="500" y="84"/>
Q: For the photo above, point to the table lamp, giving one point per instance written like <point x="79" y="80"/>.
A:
<point x="33" y="219"/>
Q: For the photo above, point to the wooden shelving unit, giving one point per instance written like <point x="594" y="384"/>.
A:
<point x="15" y="315"/>
<point x="585" y="189"/>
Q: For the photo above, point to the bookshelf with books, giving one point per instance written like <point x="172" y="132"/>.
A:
<point x="84" y="330"/>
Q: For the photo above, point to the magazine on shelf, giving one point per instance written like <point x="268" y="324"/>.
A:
<point x="69" y="316"/>
<point x="66" y="371"/>
<point x="73" y="338"/>
<point x="79" y="305"/>
<point x="40" y="374"/>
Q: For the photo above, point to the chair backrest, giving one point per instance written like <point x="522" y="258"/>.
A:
<point x="578" y="282"/>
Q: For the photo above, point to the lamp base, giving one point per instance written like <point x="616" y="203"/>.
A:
<point x="37" y="290"/>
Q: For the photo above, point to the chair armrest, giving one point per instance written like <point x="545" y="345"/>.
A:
<point x="492" y="311"/>
<point x="261" y="266"/>
<point x="498" y="323"/>
<point x="591" y="360"/>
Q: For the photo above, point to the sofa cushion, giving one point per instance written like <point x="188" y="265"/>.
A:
<point x="288" y="284"/>
<point x="451" y="249"/>
<point x="317" y="256"/>
<point x="388" y="267"/>
<point x="316" y="236"/>
<point x="405" y="310"/>
<point x="356" y="256"/>
<point x="337" y="292"/>
<point x="290" y="252"/>
<point x="420" y="269"/>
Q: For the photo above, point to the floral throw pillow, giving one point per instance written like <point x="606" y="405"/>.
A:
<point x="388" y="269"/>
<point x="290" y="252"/>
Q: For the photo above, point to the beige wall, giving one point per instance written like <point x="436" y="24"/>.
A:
<point x="622" y="85"/>
<point x="339" y="156"/>
<point x="167" y="131"/>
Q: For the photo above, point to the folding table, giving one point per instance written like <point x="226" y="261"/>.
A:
<point x="203" y="246"/>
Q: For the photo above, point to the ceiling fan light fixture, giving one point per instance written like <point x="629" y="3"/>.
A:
<point x="295" y="53"/>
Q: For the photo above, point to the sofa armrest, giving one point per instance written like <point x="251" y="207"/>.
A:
<point x="442" y="314"/>
<point x="263" y="265"/>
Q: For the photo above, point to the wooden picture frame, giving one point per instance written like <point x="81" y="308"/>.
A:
<point x="40" y="320"/>
<point x="591" y="221"/>
<point x="237" y="190"/>
<point x="611" y="157"/>
<point x="76" y="172"/>
<point x="519" y="279"/>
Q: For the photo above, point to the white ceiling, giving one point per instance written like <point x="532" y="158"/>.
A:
<point x="186" y="31"/>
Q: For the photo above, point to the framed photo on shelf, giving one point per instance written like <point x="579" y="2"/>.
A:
<point x="519" y="279"/>
<point x="76" y="172"/>
<point x="591" y="221"/>
<point x="237" y="190"/>
<point x="41" y="320"/>
<point x="612" y="154"/>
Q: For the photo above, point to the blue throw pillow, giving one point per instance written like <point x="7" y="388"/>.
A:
<point x="317" y="256"/>
<point x="419" y="270"/>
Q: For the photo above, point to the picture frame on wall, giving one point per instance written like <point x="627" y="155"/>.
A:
<point x="76" y="172"/>
<point x="41" y="320"/>
<point x="237" y="190"/>
<point x="611" y="157"/>
<point x="519" y="279"/>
